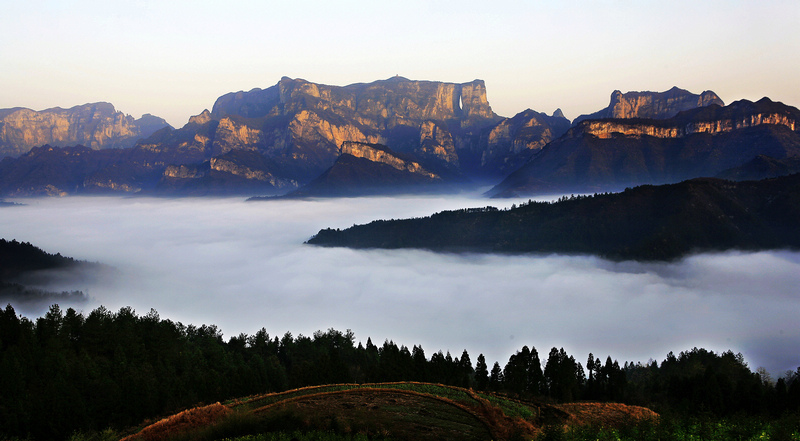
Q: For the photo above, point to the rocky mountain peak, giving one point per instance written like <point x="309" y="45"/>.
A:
<point x="200" y="119"/>
<point x="95" y="125"/>
<point x="652" y="105"/>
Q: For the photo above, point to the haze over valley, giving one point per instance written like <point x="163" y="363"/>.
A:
<point x="242" y="266"/>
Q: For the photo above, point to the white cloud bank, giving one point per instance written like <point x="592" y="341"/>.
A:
<point x="242" y="266"/>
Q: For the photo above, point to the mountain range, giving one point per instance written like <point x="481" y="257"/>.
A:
<point x="302" y="139"/>
<point x="94" y="125"/>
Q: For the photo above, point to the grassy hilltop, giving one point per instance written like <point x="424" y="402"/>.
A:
<point x="397" y="411"/>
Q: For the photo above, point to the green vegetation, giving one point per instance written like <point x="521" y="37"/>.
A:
<point x="690" y="429"/>
<point x="90" y="376"/>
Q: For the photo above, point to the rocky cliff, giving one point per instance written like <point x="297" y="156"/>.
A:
<point x="378" y="153"/>
<point x="301" y="126"/>
<point x="378" y="105"/>
<point x="652" y="105"/>
<point x="511" y="142"/>
<point x="287" y="135"/>
<point x="298" y="128"/>
<point x="96" y="125"/>
<point x="712" y="120"/>
<point x="369" y="169"/>
<point x="617" y="153"/>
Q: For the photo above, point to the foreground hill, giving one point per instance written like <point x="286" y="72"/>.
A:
<point x="648" y="222"/>
<point x="397" y="411"/>
<point x="71" y="372"/>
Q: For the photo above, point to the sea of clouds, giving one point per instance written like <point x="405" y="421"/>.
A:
<point x="243" y="266"/>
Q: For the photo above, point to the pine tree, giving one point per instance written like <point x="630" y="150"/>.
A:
<point x="481" y="373"/>
<point x="496" y="378"/>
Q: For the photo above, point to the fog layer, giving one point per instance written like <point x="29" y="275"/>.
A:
<point x="243" y="266"/>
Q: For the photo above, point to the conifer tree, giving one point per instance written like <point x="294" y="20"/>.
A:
<point x="481" y="373"/>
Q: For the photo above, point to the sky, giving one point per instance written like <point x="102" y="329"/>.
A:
<point x="175" y="58"/>
<point x="243" y="266"/>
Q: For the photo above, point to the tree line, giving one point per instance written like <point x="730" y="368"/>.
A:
<point x="66" y="372"/>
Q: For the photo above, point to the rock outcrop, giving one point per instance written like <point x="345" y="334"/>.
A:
<point x="394" y="131"/>
<point x="512" y="141"/>
<point x="378" y="153"/>
<point x="370" y="169"/>
<point x="378" y="104"/>
<point x="715" y="119"/>
<point x="610" y="155"/>
<point x="96" y="125"/>
<point x="652" y="105"/>
<point x="300" y="127"/>
<point x="436" y="143"/>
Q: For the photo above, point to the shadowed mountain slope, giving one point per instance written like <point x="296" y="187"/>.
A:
<point x="609" y="155"/>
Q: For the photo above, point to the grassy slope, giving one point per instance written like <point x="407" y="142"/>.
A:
<point x="407" y="410"/>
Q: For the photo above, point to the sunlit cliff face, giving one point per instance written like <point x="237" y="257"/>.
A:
<point x="95" y="126"/>
<point x="361" y="150"/>
<point x="606" y="129"/>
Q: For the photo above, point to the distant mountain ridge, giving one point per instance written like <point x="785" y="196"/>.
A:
<point x="275" y="140"/>
<point x="298" y="128"/>
<point x="652" y="105"/>
<point x="95" y="125"/>
<point x="611" y="154"/>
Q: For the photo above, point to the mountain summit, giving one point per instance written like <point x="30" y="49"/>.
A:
<point x="652" y="105"/>
<point x="94" y="125"/>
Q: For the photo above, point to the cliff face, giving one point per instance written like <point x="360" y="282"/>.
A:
<point x="652" y="105"/>
<point x="368" y="169"/>
<point x="96" y="126"/>
<point x="377" y="105"/>
<point x="287" y="135"/>
<point x="375" y="153"/>
<point x="510" y="143"/>
<point x="609" y="155"/>
<point x="302" y="125"/>
<point x="738" y="115"/>
<point x="298" y="129"/>
<point x="436" y="143"/>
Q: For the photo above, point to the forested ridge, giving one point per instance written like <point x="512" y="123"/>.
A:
<point x="67" y="372"/>
<point x="18" y="257"/>
<point x="648" y="222"/>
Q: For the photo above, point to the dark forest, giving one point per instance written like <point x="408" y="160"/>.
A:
<point x="67" y="372"/>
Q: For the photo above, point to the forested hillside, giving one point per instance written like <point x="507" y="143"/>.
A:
<point x="18" y="257"/>
<point x="68" y="372"/>
<point x="644" y="223"/>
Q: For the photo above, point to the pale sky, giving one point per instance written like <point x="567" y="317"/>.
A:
<point x="174" y="58"/>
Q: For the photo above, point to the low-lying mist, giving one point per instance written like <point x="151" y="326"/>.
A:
<point x="243" y="266"/>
